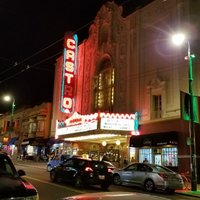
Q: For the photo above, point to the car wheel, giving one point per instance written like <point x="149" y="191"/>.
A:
<point x="105" y="186"/>
<point x="149" y="185"/>
<point x="53" y="176"/>
<point x="78" y="182"/>
<point x="117" y="179"/>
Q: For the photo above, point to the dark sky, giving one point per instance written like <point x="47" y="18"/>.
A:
<point x="31" y="38"/>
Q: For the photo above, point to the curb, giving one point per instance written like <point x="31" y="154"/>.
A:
<point x="188" y="193"/>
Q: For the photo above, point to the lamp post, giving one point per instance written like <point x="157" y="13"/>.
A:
<point x="10" y="98"/>
<point x="178" y="39"/>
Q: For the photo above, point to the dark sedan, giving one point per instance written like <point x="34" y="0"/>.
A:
<point x="82" y="172"/>
<point x="12" y="186"/>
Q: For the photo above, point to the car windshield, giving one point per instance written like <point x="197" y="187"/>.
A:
<point x="6" y="167"/>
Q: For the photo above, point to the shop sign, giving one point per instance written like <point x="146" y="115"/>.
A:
<point x="69" y="73"/>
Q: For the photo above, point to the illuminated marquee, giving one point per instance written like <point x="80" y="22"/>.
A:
<point x="108" y="121"/>
<point x="121" y="122"/>
<point x="77" y="123"/>
<point x="69" y="73"/>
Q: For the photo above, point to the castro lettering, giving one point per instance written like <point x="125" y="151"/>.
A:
<point x="69" y="75"/>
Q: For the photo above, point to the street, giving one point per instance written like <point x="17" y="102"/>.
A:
<point x="39" y="177"/>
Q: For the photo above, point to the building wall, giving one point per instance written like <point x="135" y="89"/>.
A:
<point x="145" y="61"/>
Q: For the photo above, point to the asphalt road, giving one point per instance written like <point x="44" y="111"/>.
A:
<point x="39" y="177"/>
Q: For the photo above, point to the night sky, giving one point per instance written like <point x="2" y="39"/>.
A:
<point x="31" y="38"/>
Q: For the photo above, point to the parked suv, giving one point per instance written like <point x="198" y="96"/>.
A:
<point x="82" y="172"/>
<point x="12" y="186"/>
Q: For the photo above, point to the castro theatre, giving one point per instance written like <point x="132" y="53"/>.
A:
<point x="81" y="121"/>
<point x="117" y="93"/>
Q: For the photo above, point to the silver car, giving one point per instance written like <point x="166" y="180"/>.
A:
<point x="148" y="176"/>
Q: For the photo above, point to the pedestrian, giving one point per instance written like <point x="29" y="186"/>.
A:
<point x="125" y="162"/>
<point x="145" y="160"/>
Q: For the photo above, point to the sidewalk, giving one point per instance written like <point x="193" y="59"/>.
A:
<point x="189" y="192"/>
<point x="43" y="165"/>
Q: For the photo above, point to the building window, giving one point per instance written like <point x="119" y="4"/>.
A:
<point x="145" y="154"/>
<point x="170" y="156"/>
<point x="156" y="106"/>
<point x="104" y="88"/>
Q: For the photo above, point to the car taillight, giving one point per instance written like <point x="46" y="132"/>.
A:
<point x="109" y="170"/>
<point x="164" y="176"/>
<point x="28" y="186"/>
<point x="88" y="169"/>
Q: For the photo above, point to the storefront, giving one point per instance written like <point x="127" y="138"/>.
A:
<point x="158" y="148"/>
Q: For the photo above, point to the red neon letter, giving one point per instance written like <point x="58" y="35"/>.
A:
<point x="69" y="66"/>
<point x="71" y="43"/>
<point x="67" y="103"/>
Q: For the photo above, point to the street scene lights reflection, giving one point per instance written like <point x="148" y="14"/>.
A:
<point x="179" y="39"/>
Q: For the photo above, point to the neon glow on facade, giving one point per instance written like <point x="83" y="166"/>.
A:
<point x="67" y="102"/>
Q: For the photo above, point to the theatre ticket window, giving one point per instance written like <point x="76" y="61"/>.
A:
<point x="145" y="154"/>
<point x="170" y="156"/>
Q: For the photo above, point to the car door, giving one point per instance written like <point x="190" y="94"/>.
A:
<point x="127" y="175"/>
<point x="140" y="174"/>
<point x="68" y="170"/>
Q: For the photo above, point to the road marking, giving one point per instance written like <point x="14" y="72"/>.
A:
<point x="54" y="184"/>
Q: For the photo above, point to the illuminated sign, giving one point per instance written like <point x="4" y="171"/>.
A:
<point x="69" y="73"/>
<point x="108" y="121"/>
<point x="77" y="123"/>
<point x="119" y="122"/>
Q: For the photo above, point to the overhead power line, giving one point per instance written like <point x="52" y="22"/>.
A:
<point x="27" y="67"/>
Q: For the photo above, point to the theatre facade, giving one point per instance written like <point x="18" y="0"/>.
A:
<point x="117" y="93"/>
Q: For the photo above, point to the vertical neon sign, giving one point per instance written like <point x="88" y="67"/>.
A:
<point x="67" y="102"/>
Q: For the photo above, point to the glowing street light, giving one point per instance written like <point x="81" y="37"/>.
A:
<point x="9" y="98"/>
<point x="179" y="39"/>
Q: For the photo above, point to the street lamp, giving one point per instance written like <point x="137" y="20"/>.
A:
<point x="179" y="39"/>
<point x="10" y="98"/>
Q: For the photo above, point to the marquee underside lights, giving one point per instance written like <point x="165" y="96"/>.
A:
<point x="69" y="73"/>
<point x="89" y="137"/>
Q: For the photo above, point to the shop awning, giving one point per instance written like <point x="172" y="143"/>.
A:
<point x="52" y="141"/>
<point x="155" y="139"/>
<point x="12" y="141"/>
<point x="27" y="141"/>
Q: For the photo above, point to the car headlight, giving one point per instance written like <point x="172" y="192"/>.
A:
<point x="35" y="197"/>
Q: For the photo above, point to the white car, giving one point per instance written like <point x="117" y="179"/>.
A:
<point x="148" y="176"/>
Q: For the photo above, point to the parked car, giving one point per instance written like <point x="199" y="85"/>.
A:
<point x="110" y="166"/>
<point x="53" y="163"/>
<point x="12" y="186"/>
<point x="149" y="176"/>
<point x="82" y="172"/>
<point x="114" y="196"/>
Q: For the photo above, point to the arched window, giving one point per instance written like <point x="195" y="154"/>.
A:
<point x="104" y="88"/>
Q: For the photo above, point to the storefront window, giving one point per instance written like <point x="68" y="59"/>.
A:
<point x="145" y="154"/>
<point x="170" y="156"/>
